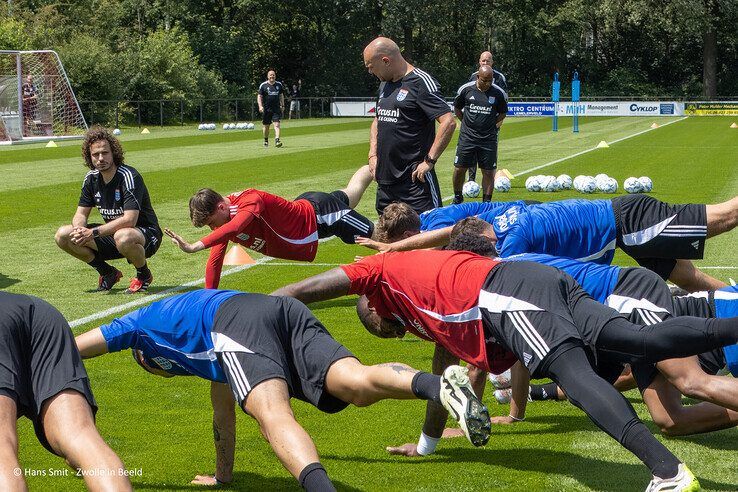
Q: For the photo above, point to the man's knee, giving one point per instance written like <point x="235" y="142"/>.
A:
<point x="127" y="237"/>
<point x="62" y="235"/>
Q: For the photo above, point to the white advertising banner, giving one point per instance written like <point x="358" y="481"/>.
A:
<point x="353" y="108"/>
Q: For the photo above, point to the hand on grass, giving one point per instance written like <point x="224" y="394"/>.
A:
<point x="408" y="449"/>
<point x="451" y="432"/>
<point x="206" y="480"/>
<point x="505" y="420"/>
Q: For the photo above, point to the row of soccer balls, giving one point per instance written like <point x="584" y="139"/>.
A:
<point x="226" y="126"/>
<point x="584" y="184"/>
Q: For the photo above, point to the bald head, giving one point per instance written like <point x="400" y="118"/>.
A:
<point x="485" y="58"/>
<point x="383" y="59"/>
<point x="485" y="77"/>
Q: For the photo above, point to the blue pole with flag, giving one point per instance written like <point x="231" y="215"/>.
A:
<point x="555" y="93"/>
<point x="575" y="100"/>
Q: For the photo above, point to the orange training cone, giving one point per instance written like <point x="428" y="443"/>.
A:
<point x="734" y="125"/>
<point x="505" y="172"/>
<point x="238" y="256"/>
<point x="654" y="125"/>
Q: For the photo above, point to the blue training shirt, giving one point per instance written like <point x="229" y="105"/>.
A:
<point x="597" y="280"/>
<point x="580" y="229"/>
<point x="726" y="306"/>
<point x="441" y="217"/>
<point x="176" y="328"/>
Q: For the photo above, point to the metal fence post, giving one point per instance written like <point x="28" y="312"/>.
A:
<point x="310" y="107"/>
<point x="138" y="110"/>
<point x="218" y="120"/>
<point x="322" y="112"/>
<point x="117" y="121"/>
<point x="236" y="109"/>
<point x="181" y="112"/>
<point x="161" y="113"/>
<point x="200" y="111"/>
<point x="252" y="110"/>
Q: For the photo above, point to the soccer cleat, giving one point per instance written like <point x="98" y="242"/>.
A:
<point x="459" y="399"/>
<point x="684" y="481"/>
<point x="500" y="381"/>
<point x="138" y="285"/>
<point x="277" y="143"/>
<point x="457" y="201"/>
<point x="266" y="143"/>
<point x="106" y="282"/>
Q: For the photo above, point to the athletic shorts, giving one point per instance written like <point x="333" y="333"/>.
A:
<point x="38" y="358"/>
<point x="294" y="105"/>
<point x="418" y="195"/>
<point x="268" y="337"/>
<point x="472" y="155"/>
<point x="532" y="309"/>
<point x="271" y="116"/>
<point x="107" y="249"/>
<point x="697" y="306"/>
<point x="656" y="234"/>
<point x="641" y="296"/>
<point x="336" y="218"/>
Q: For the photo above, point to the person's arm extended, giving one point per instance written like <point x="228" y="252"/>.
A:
<point x="327" y="285"/>
<point x="520" y="383"/>
<point x="373" y="148"/>
<point x="224" y="435"/>
<point x="446" y="127"/>
<point x="435" y="414"/>
<point x="91" y="344"/>
<point x="429" y="239"/>
<point x="221" y="235"/>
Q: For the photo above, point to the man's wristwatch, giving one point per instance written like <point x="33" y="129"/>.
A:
<point x="430" y="160"/>
<point x="95" y="232"/>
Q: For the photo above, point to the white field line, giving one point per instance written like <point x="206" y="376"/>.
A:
<point x="536" y="168"/>
<point x="165" y="293"/>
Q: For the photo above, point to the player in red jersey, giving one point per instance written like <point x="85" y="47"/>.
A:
<point x="469" y="304"/>
<point x="273" y="225"/>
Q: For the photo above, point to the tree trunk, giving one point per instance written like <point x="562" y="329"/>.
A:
<point x="709" y="52"/>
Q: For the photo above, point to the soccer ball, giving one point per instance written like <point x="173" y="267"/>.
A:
<point x="549" y="184"/>
<point x="602" y="181"/>
<point x="500" y="381"/>
<point x="632" y="185"/>
<point x="226" y="126"/>
<point x="199" y="127"/>
<point x="502" y="184"/>
<point x="588" y="185"/>
<point x="646" y="183"/>
<point x="471" y="189"/>
<point x="564" y="181"/>
<point x="117" y="131"/>
<point x="601" y="177"/>
<point x="249" y="126"/>
<point x="533" y="184"/>
<point x="609" y="185"/>
<point x="239" y="126"/>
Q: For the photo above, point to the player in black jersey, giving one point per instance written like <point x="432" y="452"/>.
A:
<point x="403" y="143"/>
<point x="271" y="104"/>
<point x="484" y="106"/>
<point x="131" y="229"/>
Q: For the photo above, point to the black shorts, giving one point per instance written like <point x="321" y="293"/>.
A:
<point x="336" y="218"/>
<point x="418" y="195"/>
<point x="107" y="249"/>
<point x="472" y="155"/>
<point x="38" y="357"/>
<point x="699" y="305"/>
<point x="656" y="234"/>
<point x="532" y="309"/>
<point x="641" y="296"/>
<point x="271" y="116"/>
<point x="272" y="337"/>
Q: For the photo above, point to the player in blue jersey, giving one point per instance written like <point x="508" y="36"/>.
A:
<point x="268" y="349"/>
<point x="659" y="236"/>
<point x="643" y="298"/>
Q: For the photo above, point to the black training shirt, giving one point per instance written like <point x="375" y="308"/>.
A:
<point x="406" y="112"/>
<point x="481" y="110"/>
<point x="270" y="95"/>
<point x="126" y="191"/>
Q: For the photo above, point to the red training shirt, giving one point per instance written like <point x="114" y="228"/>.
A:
<point x="265" y="223"/>
<point x="435" y="295"/>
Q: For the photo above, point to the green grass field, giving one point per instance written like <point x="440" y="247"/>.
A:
<point x="163" y="427"/>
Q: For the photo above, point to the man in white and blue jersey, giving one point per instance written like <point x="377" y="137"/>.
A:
<point x="266" y="349"/>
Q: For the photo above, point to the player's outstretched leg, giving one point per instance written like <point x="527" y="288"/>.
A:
<point x="9" y="478"/>
<point x="612" y="413"/>
<point x="722" y="217"/>
<point x="69" y="427"/>
<point x="691" y="279"/>
<point x="269" y="404"/>
<point x="357" y="185"/>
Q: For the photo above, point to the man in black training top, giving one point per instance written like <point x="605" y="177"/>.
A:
<point x="131" y="229"/>
<point x="485" y="59"/>
<point x="271" y="105"/>
<point x="295" y="99"/>
<point x="484" y="106"/>
<point x="403" y="143"/>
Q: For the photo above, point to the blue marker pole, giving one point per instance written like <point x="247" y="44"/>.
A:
<point x="575" y="100"/>
<point x="555" y="92"/>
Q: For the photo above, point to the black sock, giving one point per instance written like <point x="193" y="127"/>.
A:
<point x="487" y="198"/>
<point x="427" y="386"/>
<point x="639" y="441"/>
<point x="143" y="273"/>
<point x="458" y="197"/>
<point x="544" y="391"/>
<point x="266" y="139"/>
<point x="314" y="478"/>
<point x="100" y="265"/>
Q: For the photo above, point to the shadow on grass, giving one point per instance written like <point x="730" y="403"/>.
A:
<point x="724" y="440"/>
<point x="120" y="288"/>
<point x="241" y="481"/>
<point x="342" y="302"/>
<point x="6" y="281"/>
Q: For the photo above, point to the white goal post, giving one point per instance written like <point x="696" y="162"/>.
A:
<point x="37" y="102"/>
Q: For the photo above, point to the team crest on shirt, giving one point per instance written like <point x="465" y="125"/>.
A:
<point x="163" y="362"/>
<point x="117" y="195"/>
<point x="491" y="99"/>
<point x="402" y="94"/>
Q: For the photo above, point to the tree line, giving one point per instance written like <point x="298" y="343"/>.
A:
<point x="171" y="49"/>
